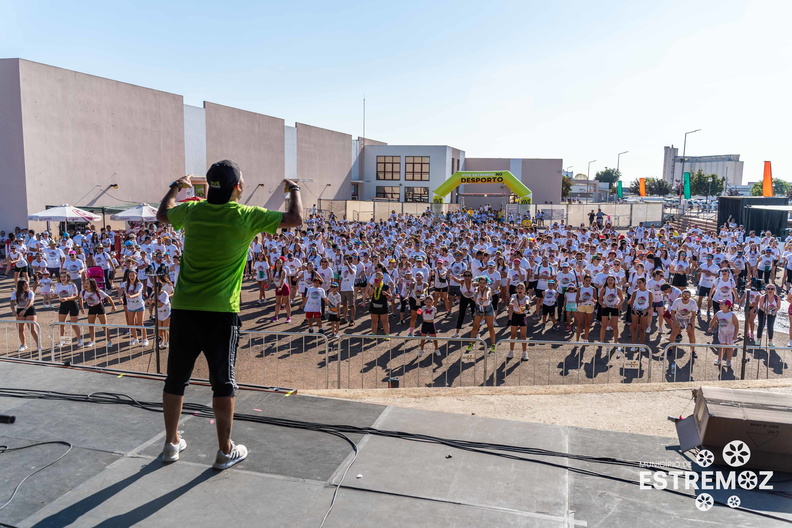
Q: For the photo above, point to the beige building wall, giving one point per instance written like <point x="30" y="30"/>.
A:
<point x="324" y="156"/>
<point x="84" y="133"/>
<point x="13" y="200"/>
<point x="256" y="143"/>
<point x="542" y="176"/>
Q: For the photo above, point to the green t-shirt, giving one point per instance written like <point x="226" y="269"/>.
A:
<point x="216" y="241"/>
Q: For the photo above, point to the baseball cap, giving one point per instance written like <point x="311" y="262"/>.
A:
<point x="221" y="178"/>
<point x="333" y="284"/>
<point x="491" y="263"/>
<point x="727" y="302"/>
<point x="566" y="264"/>
<point x="72" y="252"/>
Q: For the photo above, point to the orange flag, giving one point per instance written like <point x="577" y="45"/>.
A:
<point x="642" y="186"/>
<point x="767" y="183"/>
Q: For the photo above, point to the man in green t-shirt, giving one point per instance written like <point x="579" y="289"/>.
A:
<point x="205" y="306"/>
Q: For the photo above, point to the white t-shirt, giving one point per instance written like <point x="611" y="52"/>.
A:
<point x="684" y="310"/>
<point x="314" y="298"/>
<point x="135" y="303"/>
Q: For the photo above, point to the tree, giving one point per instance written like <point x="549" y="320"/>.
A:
<point x="566" y="186"/>
<point x="658" y="187"/>
<point x="654" y="187"/>
<point x="608" y="175"/>
<point x="780" y="188"/>
<point x="706" y="184"/>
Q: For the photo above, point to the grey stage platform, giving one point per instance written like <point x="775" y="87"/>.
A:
<point x="113" y="477"/>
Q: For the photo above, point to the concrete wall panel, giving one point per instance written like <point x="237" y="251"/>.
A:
<point x="256" y="143"/>
<point x="83" y="133"/>
<point x="13" y="201"/>
<point x="194" y="140"/>
<point x="324" y="157"/>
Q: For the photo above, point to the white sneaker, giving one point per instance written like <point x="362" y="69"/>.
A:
<point x="789" y="344"/>
<point x="716" y="362"/>
<point x="22" y="348"/>
<point x="110" y="344"/>
<point x="438" y="353"/>
<point x="619" y="351"/>
<point x="495" y="324"/>
<point x="145" y="342"/>
<point x="456" y="334"/>
<point x="170" y="453"/>
<point x="524" y="356"/>
<point x="770" y="344"/>
<point x="608" y="329"/>
<point x="89" y="344"/>
<point x="164" y="345"/>
<point x="133" y="342"/>
<point x="727" y="363"/>
<point x="510" y="354"/>
<point x="79" y="342"/>
<point x="238" y="454"/>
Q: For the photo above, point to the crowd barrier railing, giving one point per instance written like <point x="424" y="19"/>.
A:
<point x="397" y="361"/>
<point x="758" y="362"/>
<point x="283" y="359"/>
<point x="596" y="362"/>
<point x="11" y="343"/>
<point x="113" y="346"/>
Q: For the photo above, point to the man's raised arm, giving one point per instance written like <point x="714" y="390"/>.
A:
<point x="170" y="197"/>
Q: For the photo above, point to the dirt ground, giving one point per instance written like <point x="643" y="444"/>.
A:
<point x="631" y="409"/>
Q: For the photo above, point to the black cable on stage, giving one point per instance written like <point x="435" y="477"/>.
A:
<point x="6" y="449"/>
<point x="500" y="450"/>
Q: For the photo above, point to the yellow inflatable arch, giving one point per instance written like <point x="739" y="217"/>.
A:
<point x="475" y="177"/>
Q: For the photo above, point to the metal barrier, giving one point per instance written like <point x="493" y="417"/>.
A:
<point x="386" y="358"/>
<point x="769" y="362"/>
<point x="113" y="346"/>
<point x="11" y="350"/>
<point x="282" y="359"/>
<point x="633" y="363"/>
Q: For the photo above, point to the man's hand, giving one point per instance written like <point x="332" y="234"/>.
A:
<point x="288" y="183"/>
<point x="184" y="181"/>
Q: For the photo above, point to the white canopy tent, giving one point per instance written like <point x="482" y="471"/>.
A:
<point x="64" y="213"/>
<point x="139" y="213"/>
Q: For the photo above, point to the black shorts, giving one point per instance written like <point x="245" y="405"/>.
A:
<point x="454" y="290"/>
<point x="428" y="328"/>
<point x="512" y="289"/>
<point x="704" y="291"/>
<point x="54" y="272"/>
<point x="68" y="308"/>
<point x="379" y="307"/>
<point x="414" y="304"/>
<point x="641" y="313"/>
<point x="548" y="310"/>
<point x="539" y="293"/>
<point x="333" y="317"/>
<point x="532" y="285"/>
<point x="294" y="281"/>
<point x="216" y="334"/>
<point x="96" y="310"/>
<point x="679" y="280"/>
<point x="609" y="312"/>
<point x="443" y="289"/>
<point x="30" y="312"/>
<point x="23" y="269"/>
<point x="517" y="319"/>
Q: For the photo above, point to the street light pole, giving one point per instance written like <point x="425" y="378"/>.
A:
<point x="684" y="159"/>
<point x="618" y="158"/>
<point x="588" y="178"/>
<point x="569" y="198"/>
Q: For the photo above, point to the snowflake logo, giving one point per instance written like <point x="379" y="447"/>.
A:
<point x="736" y="453"/>
<point x="734" y="501"/>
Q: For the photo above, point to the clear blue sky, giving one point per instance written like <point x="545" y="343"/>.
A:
<point x="575" y="80"/>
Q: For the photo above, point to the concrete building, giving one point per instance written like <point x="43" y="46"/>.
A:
<point x="69" y="137"/>
<point x="728" y="166"/>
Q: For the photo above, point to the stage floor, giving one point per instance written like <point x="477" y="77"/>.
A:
<point x="113" y="475"/>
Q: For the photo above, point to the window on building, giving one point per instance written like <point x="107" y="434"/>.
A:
<point x="416" y="194"/>
<point x="416" y="168"/>
<point x="389" y="193"/>
<point x="388" y="167"/>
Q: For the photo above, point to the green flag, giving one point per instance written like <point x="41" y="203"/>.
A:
<point x="687" y="185"/>
<point x="619" y="191"/>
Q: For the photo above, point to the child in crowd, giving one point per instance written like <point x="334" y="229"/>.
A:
<point x="312" y="304"/>
<point x="570" y="306"/>
<point x="728" y="328"/>
<point x="428" y="312"/>
<point x="333" y="306"/>
<point x="549" y="302"/>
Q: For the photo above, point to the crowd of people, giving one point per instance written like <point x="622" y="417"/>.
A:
<point x="427" y="275"/>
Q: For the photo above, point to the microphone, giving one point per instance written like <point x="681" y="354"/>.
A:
<point x="7" y="418"/>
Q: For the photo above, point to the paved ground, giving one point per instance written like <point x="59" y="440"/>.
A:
<point x="300" y="361"/>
